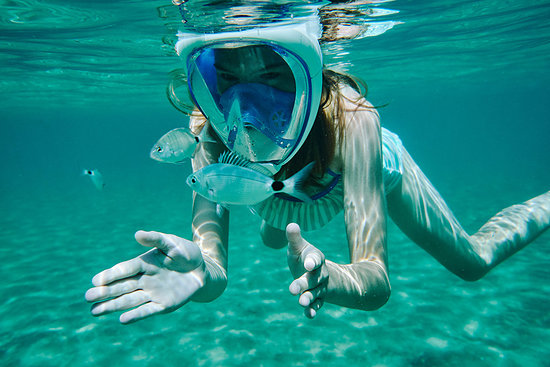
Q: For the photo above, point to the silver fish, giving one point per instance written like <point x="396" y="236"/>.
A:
<point x="96" y="177"/>
<point x="177" y="145"/>
<point x="235" y="183"/>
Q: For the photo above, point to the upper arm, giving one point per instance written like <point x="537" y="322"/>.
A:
<point x="210" y="230"/>
<point x="364" y="199"/>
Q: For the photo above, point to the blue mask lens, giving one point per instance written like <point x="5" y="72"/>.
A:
<point x="265" y="108"/>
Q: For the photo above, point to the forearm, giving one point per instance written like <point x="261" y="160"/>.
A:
<point x="363" y="285"/>
<point x="215" y="281"/>
<point x="210" y="233"/>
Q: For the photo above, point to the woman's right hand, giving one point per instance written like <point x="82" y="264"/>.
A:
<point x="158" y="281"/>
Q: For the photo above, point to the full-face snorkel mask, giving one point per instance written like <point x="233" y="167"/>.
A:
<point x="259" y="88"/>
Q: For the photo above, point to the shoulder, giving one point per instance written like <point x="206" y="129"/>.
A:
<point x="359" y="127"/>
<point x="357" y="111"/>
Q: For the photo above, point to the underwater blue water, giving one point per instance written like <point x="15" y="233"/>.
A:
<point x="83" y="87"/>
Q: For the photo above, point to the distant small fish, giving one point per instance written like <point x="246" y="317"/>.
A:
<point x="232" y="182"/>
<point x="177" y="145"/>
<point x="96" y="177"/>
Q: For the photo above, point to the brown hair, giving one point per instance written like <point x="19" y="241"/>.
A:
<point x="327" y="130"/>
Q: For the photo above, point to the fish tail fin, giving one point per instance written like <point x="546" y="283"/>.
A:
<point x="293" y="185"/>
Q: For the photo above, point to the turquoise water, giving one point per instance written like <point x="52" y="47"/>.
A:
<point x="83" y="87"/>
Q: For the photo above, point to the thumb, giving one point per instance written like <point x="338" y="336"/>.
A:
<point x="311" y="257"/>
<point x="176" y="248"/>
<point x="154" y="239"/>
<point x="296" y="243"/>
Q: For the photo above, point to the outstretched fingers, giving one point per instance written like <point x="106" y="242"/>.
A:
<point x="134" y="266"/>
<point x="142" y="312"/>
<point x="120" y="271"/>
<point x="121" y="303"/>
<point x="112" y="290"/>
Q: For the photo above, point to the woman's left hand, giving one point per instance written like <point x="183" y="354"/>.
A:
<point x="307" y="265"/>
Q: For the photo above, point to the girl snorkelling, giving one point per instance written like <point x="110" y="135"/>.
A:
<point x="263" y="95"/>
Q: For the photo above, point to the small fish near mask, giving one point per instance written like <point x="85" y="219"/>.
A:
<point x="177" y="145"/>
<point x="232" y="181"/>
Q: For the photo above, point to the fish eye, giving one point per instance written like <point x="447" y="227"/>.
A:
<point x="159" y="149"/>
<point x="197" y="139"/>
<point x="193" y="180"/>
